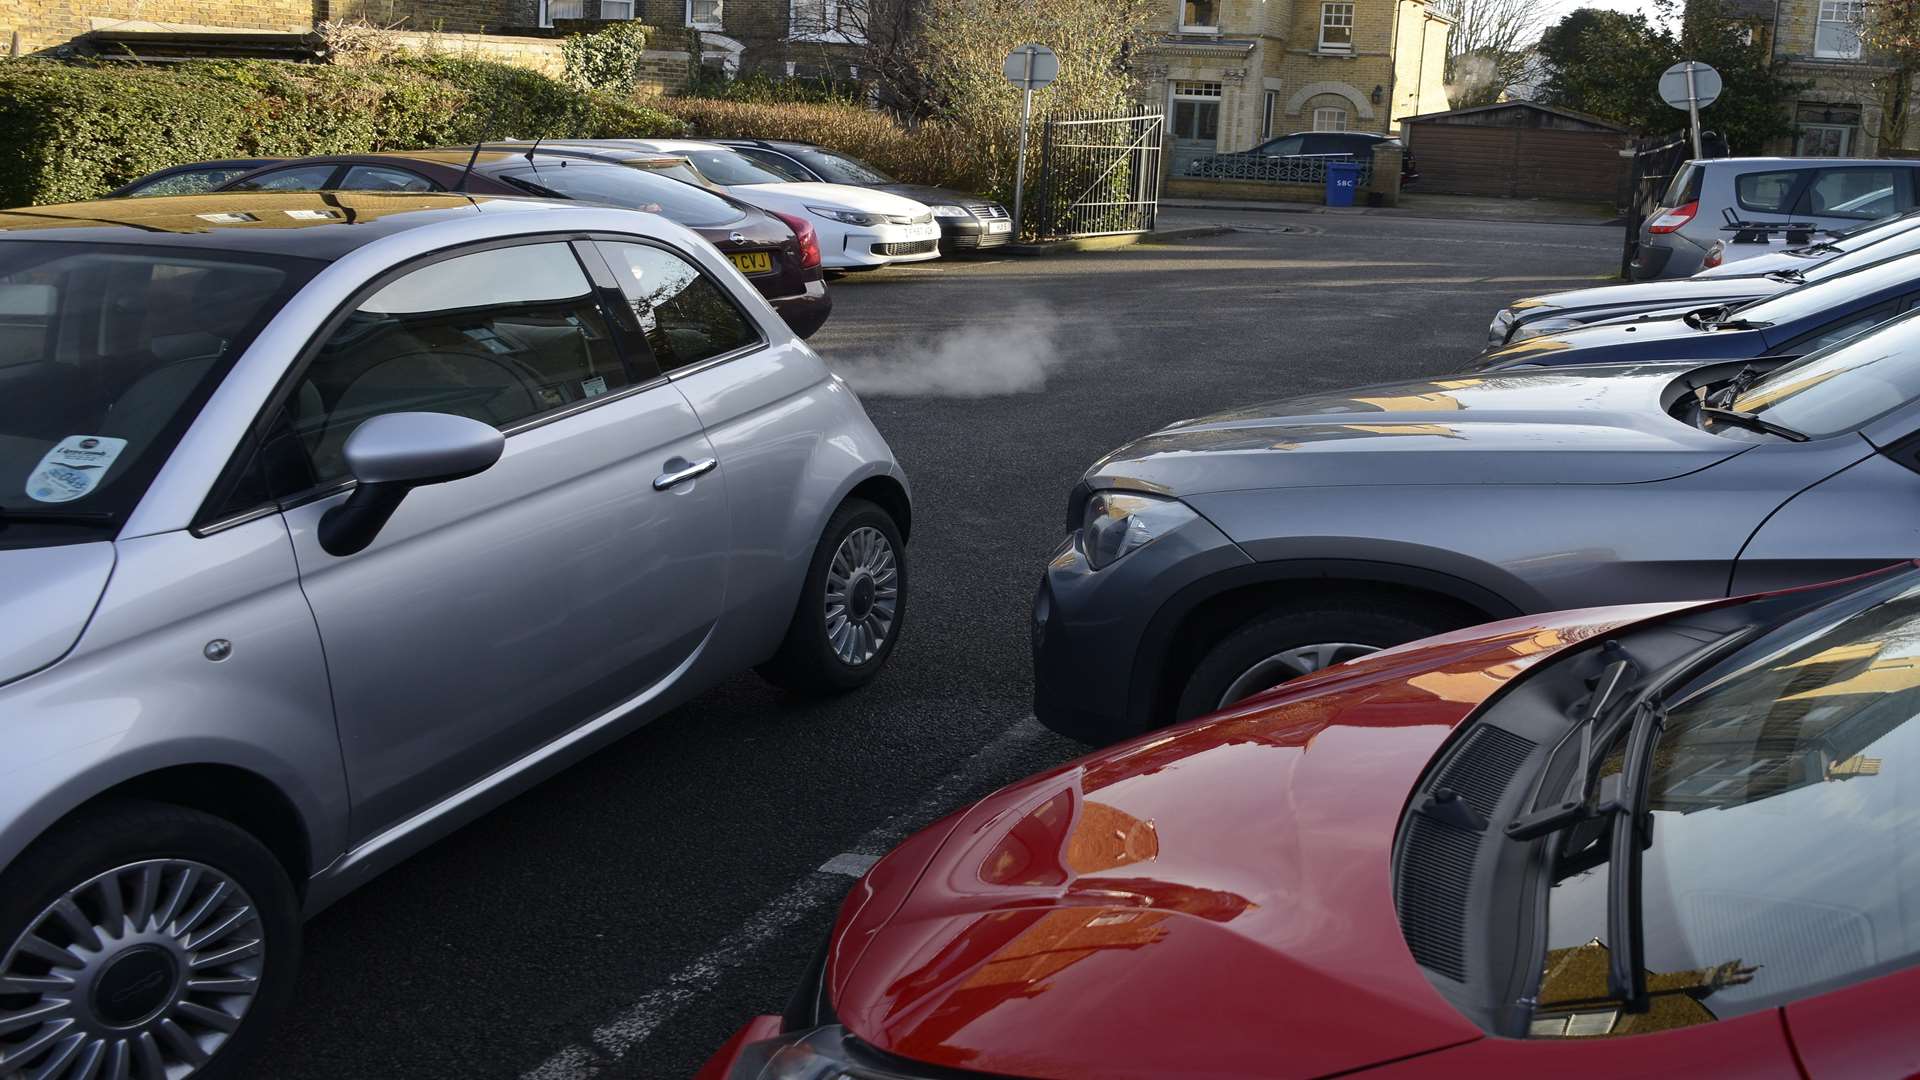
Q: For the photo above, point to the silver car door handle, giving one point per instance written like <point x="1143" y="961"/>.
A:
<point x="680" y="476"/>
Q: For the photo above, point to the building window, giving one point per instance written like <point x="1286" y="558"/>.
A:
<point x="1199" y="15"/>
<point x="1196" y="112"/>
<point x="827" y="20"/>
<point x="1266" y="117"/>
<point x="701" y="14"/>
<point x="562" y="9"/>
<point x="616" y="9"/>
<point x="1336" y="27"/>
<point x="1837" y="36"/>
<point x="1822" y="140"/>
<point x="1330" y="119"/>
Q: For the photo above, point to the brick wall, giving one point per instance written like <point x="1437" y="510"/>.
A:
<point x="45" y="24"/>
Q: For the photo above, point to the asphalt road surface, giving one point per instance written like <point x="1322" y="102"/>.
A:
<point x="624" y="918"/>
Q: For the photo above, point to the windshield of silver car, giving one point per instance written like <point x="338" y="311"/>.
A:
<point x="1842" y="387"/>
<point x="107" y="353"/>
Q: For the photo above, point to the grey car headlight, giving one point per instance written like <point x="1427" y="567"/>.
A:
<point x="849" y="217"/>
<point x="950" y="210"/>
<point x="1120" y="522"/>
<point x="1542" y="327"/>
<point x="1498" y="329"/>
<point x="825" y="1053"/>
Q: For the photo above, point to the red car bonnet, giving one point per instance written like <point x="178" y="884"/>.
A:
<point x="1210" y="900"/>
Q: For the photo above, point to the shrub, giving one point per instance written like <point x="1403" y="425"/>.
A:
<point x="83" y="129"/>
<point x="763" y="89"/>
<point x="932" y="152"/>
<point x="607" y="59"/>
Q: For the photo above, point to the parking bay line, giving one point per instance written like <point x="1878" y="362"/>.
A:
<point x="612" y="1040"/>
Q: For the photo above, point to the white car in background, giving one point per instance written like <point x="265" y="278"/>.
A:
<point x="860" y="229"/>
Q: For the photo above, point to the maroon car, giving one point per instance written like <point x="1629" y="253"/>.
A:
<point x="779" y="254"/>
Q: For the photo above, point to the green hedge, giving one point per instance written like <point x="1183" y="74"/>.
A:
<point x="76" y="131"/>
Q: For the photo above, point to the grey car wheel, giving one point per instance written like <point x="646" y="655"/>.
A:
<point x="1289" y="641"/>
<point x="862" y="595"/>
<point x="1289" y="664"/>
<point x="141" y="942"/>
<point x="852" y="605"/>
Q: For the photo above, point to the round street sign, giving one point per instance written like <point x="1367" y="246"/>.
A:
<point x="1031" y="67"/>
<point x="1706" y="85"/>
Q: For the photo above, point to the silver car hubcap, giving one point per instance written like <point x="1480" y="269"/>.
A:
<point x="142" y="973"/>
<point x="1293" y="663"/>
<point x="863" y="593"/>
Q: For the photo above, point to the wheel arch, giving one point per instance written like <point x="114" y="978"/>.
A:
<point x="244" y="797"/>
<point x="1197" y="617"/>
<point x="888" y="493"/>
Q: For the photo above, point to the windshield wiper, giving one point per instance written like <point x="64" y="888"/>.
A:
<point x="1578" y="802"/>
<point x="1624" y="815"/>
<point x="1632" y="835"/>
<point x="1751" y="422"/>
<point x="1791" y="277"/>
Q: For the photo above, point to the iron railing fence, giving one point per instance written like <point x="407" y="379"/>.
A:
<point x="1099" y="176"/>
<point x="1295" y="169"/>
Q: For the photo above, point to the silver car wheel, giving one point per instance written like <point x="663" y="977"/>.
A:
<point x="141" y="973"/>
<point x="1293" y="663"/>
<point x="863" y="595"/>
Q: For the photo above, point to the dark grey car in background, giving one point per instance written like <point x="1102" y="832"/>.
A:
<point x="1219" y="556"/>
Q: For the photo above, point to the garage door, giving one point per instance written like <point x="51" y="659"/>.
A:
<point x="1527" y="163"/>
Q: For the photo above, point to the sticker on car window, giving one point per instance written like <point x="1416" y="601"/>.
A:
<point x="73" y="468"/>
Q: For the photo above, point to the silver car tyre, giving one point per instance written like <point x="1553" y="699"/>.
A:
<point x="851" y="608"/>
<point x="142" y="941"/>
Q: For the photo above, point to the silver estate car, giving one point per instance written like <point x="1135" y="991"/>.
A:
<point x="329" y="521"/>
<point x="1827" y="193"/>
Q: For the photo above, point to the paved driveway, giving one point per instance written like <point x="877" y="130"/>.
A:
<point x="622" y="919"/>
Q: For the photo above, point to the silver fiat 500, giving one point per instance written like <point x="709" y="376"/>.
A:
<point x="328" y="522"/>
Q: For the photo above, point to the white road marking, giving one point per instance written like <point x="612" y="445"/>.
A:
<point x="849" y="863"/>
<point x="616" y="1037"/>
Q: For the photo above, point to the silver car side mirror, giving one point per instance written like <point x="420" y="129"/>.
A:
<point x="391" y="455"/>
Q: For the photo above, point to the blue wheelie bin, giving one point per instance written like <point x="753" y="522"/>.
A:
<point x="1343" y="179"/>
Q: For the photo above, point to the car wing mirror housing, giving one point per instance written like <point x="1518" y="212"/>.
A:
<point x="391" y="455"/>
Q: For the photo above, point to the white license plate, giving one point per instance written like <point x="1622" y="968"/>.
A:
<point x="999" y="226"/>
<point x="929" y="231"/>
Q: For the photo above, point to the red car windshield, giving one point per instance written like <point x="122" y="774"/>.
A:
<point x="1782" y="823"/>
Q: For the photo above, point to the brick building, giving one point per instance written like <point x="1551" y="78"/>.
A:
<point x="1233" y="72"/>
<point x="808" y="37"/>
<point x="1819" y="41"/>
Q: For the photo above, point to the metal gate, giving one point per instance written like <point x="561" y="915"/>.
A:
<point x="1099" y="176"/>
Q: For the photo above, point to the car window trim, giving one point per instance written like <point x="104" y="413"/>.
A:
<point x="205" y="524"/>
<point x="705" y="363"/>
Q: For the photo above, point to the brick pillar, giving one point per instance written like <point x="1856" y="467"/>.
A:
<point x="1386" y="174"/>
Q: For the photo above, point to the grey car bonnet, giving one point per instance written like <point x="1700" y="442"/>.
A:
<point x="1586" y="425"/>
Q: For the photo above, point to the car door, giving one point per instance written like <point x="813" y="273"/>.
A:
<point x="766" y="411"/>
<point x="578" y="575"/>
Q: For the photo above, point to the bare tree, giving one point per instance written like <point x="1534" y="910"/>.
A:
<point x="1490" y="51"/>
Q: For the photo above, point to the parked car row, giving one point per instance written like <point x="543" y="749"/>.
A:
<point x="1507" y="722"/>
<point x="861" y="217"/>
